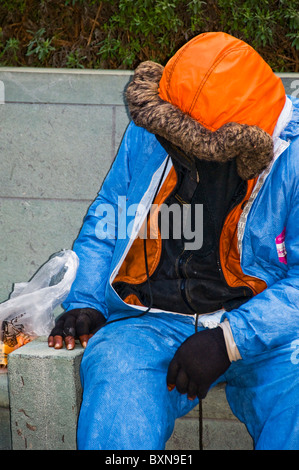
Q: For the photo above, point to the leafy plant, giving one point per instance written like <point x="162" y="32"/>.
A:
<point x="195" y="9"/>
<point x="40" y="46"/>
<point x="291" y="14"/>
<point x="9" y="5"/>
<point x="141" y="27"/>
<point x="11" y="51"/>
<point x="74" y="60"/>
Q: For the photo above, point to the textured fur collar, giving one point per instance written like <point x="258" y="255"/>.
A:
<point x="250" y="145"/>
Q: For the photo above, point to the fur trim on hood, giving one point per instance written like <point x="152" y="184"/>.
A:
<point x="249" y="144"/>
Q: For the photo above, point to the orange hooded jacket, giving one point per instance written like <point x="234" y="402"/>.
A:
<point x="214" y="79"/>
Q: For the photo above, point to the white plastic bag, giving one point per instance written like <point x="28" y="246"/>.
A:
<point x="29" y="311"/>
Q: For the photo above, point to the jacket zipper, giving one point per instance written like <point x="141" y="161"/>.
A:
<point x="183" y="281"/>
<point x="234" y="204"/>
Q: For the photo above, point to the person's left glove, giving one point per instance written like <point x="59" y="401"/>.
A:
<point x="198" y="363"/>
<point x="81" y="323"/>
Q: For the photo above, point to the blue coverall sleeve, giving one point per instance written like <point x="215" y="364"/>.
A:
<point x="95" y="253"/>
<point x="271" y="318"/>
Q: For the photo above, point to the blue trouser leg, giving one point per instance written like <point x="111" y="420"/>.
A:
<point x="126" y="403"/>
<point x="264" y="394"/>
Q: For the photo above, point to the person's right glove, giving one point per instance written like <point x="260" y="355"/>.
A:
<point x="198" y="363"/>
<point x="79" y="323"/>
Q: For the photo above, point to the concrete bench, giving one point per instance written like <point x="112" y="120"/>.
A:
<point x="45" y="396"/>
<point x="60" y="130"/>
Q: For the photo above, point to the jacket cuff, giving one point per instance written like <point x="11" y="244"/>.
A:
<point x="231" y="347"/>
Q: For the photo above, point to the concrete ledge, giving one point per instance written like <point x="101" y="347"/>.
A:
<point x="58" y="86"/>
<point x="45" y="396"/>
<point x="4" y="397"/>
<point x="5" y="431"/>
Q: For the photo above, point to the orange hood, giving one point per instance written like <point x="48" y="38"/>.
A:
<point x="216" y="79"/>
<point x="216" y="99"/>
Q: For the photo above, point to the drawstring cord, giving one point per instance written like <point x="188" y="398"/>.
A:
<point x="200" y="425"/>
<point x="200" y="414"/>
<point x="145" y="259"/>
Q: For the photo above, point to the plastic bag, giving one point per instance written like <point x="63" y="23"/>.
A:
<point x="29" y="312"/>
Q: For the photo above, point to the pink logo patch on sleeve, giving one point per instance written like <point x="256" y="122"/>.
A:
<point x="280" y="246"/>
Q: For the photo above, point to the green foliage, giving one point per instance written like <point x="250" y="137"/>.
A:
<point x="142" y="25"/>
<point x="15" y="5"/>
<point x="195" y="10"/>
<point x="122" y="33"/>
<point x="259" y="21"/>
<point x="291" y="15"/>
<point x="11" y="50"/>
<point x="74" y="60"/>
<point x="40" y="46"/>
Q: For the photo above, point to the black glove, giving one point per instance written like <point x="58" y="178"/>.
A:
<point x="79" y="323"/>
<point x="198" y="362"/>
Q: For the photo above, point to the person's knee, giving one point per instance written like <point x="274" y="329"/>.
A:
<point x="113" y="350"/>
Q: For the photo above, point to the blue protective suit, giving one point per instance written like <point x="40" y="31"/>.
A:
<point x="126" y="404"/>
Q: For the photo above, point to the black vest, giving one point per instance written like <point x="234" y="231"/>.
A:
<point x="191" y="281"/>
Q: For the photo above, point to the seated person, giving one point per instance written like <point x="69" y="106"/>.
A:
<point x="165" y="317"/>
